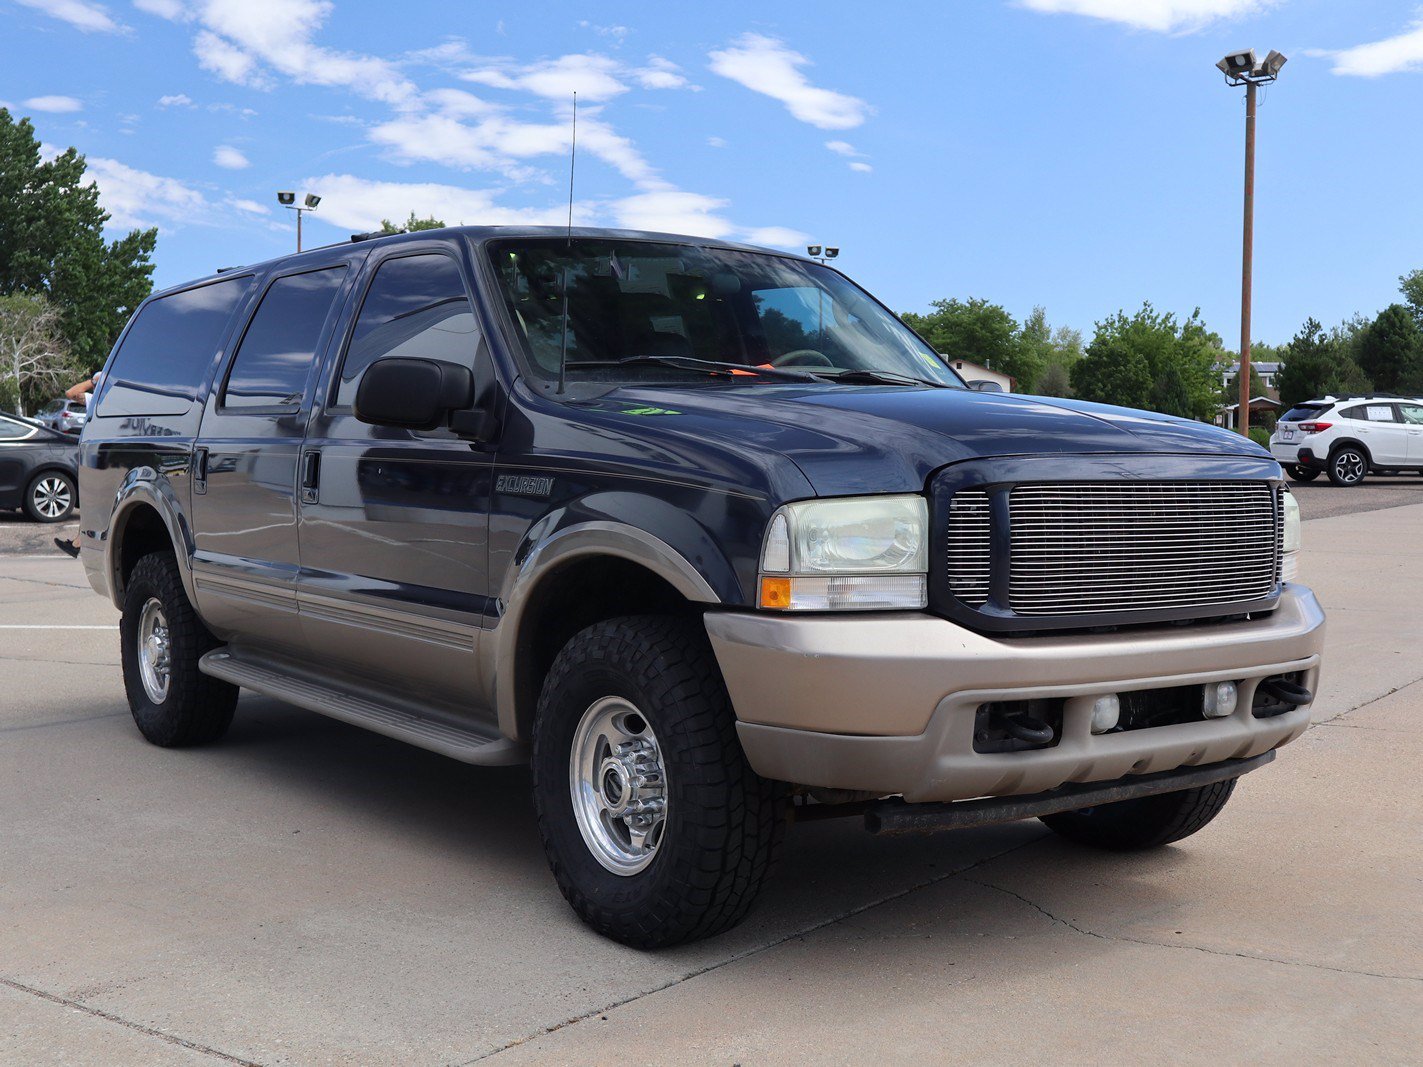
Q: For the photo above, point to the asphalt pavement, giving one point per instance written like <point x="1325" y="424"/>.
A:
<point x="305" y="892"/>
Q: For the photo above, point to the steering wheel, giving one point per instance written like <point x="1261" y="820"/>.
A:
<point x="802" y="357"/>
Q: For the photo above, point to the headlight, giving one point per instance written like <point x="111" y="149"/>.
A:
<point x="853" y="553"/>
<point x="1289" y="565"/>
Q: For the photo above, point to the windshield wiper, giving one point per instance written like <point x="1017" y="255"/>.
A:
<point x="692" y="363"/>
<point x="880" y="377"/>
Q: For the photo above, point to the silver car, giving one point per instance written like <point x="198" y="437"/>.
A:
<point x="66" y="416"/>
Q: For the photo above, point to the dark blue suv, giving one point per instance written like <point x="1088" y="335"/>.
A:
<point x="701" y="530"/>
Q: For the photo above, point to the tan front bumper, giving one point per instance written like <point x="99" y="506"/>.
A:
<point x="886" y="703"/>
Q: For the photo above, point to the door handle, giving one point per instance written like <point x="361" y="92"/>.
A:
<point x="310" y="476"/>
<point x="200" y="470"/>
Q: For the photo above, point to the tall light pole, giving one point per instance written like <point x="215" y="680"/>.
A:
<point x="822" y="254"/>
<point x="1243" y="68"/>
<point x="308" y="203"/>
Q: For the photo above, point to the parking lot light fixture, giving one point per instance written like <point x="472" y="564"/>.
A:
<point x="309" y="201"/>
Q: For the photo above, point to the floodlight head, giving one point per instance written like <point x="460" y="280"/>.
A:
<point x="311" y="201"/>
<point x="812" y="250"/>
<point x="831" y="253"/>
<point x="1273" y="62"/>
<point x="286" y="199"/>
<point x="1238" y="64"/>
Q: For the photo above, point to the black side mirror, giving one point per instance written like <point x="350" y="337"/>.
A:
<point x="413" y="394"/>
<point x="981" y="386"/>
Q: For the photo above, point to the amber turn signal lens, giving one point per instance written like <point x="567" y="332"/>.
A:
<point x="776" y="593"/>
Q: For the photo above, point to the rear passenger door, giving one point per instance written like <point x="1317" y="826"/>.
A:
<point x="1376" y="425"/>
<point x="394" y="584"/>
<point x="245" y="464"/>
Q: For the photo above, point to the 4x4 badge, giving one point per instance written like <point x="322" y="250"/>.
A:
<point x="524" y="485"/>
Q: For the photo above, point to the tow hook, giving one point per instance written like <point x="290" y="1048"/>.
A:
<point x="1286" y="692"/>
<point x="1027" y="729"/>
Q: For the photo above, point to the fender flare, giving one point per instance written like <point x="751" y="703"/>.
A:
<point x="598" y="537"/>
<point x="145" y="486"/>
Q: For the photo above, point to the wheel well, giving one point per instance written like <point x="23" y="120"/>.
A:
<point x="580" y="593"/>
<point x="1337" y="445"/>
<point x="143" y="532"/>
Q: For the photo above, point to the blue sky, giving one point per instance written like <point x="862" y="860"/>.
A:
<point x="1079" y="154"/>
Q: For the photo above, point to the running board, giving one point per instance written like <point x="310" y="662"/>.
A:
<point x="455" y="740"/>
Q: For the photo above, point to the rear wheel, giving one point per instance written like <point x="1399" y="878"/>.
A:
<point x="656" y="828"/>
<point x="1348" y="466"/>
<point x="50" y="497"/>
<point x="1147" y="822"/>
<point x="173" y="703"/>
<point x="1304" y="474"/>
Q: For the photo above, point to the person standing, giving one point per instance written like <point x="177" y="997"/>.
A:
<point x="88" y="389"/>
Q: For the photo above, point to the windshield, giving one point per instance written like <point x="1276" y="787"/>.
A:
<point x="628" y="300"/>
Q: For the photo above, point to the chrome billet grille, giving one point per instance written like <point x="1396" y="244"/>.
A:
<point x="968" y="546"/>
<point x="1082" y="548"/>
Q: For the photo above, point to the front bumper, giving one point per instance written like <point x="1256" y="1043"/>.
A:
<point x="887" y="703"/>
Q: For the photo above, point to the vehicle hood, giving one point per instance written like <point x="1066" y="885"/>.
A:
<point x="877" y="439"/>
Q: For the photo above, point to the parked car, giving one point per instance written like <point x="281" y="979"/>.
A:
<point x="39" y="469"/>
<point x="702" y="531"/>
<point x="66" y="416"/>
<point x="1347" y="437"/>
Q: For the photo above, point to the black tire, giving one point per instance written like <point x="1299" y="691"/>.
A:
<point x="724" y="823"/>
<point x="196" y="709"/>
<point x="1149" y="822"/>
<point x="1348" y="466"/>
<point x="1304" y="474"/>
<point x="51" y="496"/>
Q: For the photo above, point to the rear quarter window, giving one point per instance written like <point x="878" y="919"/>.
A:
<point x="166" y="355"/>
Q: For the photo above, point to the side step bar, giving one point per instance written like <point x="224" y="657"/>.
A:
<point x="897" y="817"/>
<point x="453" y="739"/>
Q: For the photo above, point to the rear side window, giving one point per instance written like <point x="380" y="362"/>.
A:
<point x="1304" y="412"/>
<point x="1370" y="413"/>
<point x="416" y="306"/>
<point x="276" y="353"/>
<point x="166" y="355"/>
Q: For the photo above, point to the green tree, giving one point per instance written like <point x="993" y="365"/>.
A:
<point x="1051" y="352"/>
<point x="1411" y="285"/>
<point x="52" y="243"/>
<point x="1149" y="360"/>
<point x="429" y="222"/>
<point x="1316" y="364"/>
<point x="1391" y="352"/>
<point x="980" y="332"/>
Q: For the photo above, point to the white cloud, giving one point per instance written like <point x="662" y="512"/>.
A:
<point x="776" y="237"/>
<point x="357" y="204"/>
<point x="863" y="168"/>
<point x="765" y="65"/>
<point x="661" y="73"/>
<point x="55" y="105"/>
<point x="176" y="100"/>
<point x="136" y="198"/>
<point x="81" y="14"/>
<point x="674" y="211"/>
<point x="593" y="77"/>
<point x="168" y="9"/>
<point x="617" y="33"/>
<point x="717" y="142"/>
<point x="229" y="158"/>
<point x="249" y="206"/>
<point x="1392" y="55"/>
<point x="227" y="61"/>
<point x="1163" y="16"/>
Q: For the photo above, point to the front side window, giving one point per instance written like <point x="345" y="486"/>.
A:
<point x="416" y="307"/>
<point x="276" y="353"/>
<point x="630" y="300"/>
<point x="1412" y="414"/>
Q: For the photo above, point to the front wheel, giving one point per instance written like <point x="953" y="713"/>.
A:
<point x="173" y="703"/>
<point x="1147" y="822"/>
<point x="657" y="830"/>
<point x="1304" y="474"/>
<point x="1348" y="466"/>
<point x="50" y="497"/>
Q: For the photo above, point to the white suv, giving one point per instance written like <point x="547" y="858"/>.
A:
<point x="1349" y="436"/>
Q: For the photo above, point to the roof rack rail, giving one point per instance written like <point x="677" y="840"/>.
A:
<point x="372" y="235"/>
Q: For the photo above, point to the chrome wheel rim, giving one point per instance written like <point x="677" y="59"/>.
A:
<point x="154" y="652"/>
<point x="1349" y="466"/>
<point x="51" y="497"/>
<point x="619" y="786"/>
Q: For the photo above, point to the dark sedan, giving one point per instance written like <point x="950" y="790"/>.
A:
<point x="38" y="469"/>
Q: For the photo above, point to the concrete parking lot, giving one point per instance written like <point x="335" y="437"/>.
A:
<point x="305" y="892"/>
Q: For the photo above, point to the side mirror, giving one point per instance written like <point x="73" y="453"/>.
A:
<point x="981" y="386"/>
<point x="413" y="394"/>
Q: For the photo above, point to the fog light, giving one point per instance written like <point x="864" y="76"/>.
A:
<point x="1106" y="711"/>
<point x="1218" y="700"/>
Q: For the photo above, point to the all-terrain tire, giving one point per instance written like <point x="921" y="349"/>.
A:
<point x="196" y="709"/>
<point x="1147" y="822"/>
<point x="724" y="823"/>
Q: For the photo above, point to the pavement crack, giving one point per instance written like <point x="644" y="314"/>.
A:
<point x="1359" y="707"/>
<point x="1069" y="924"/>
<point x="108" y="1016"/>
<point x="840" y="917"/>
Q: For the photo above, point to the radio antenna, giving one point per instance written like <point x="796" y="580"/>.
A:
<point x="572" y="161"/>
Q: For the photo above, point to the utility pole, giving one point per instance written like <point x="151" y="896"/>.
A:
<point x="1242" y="68"/>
